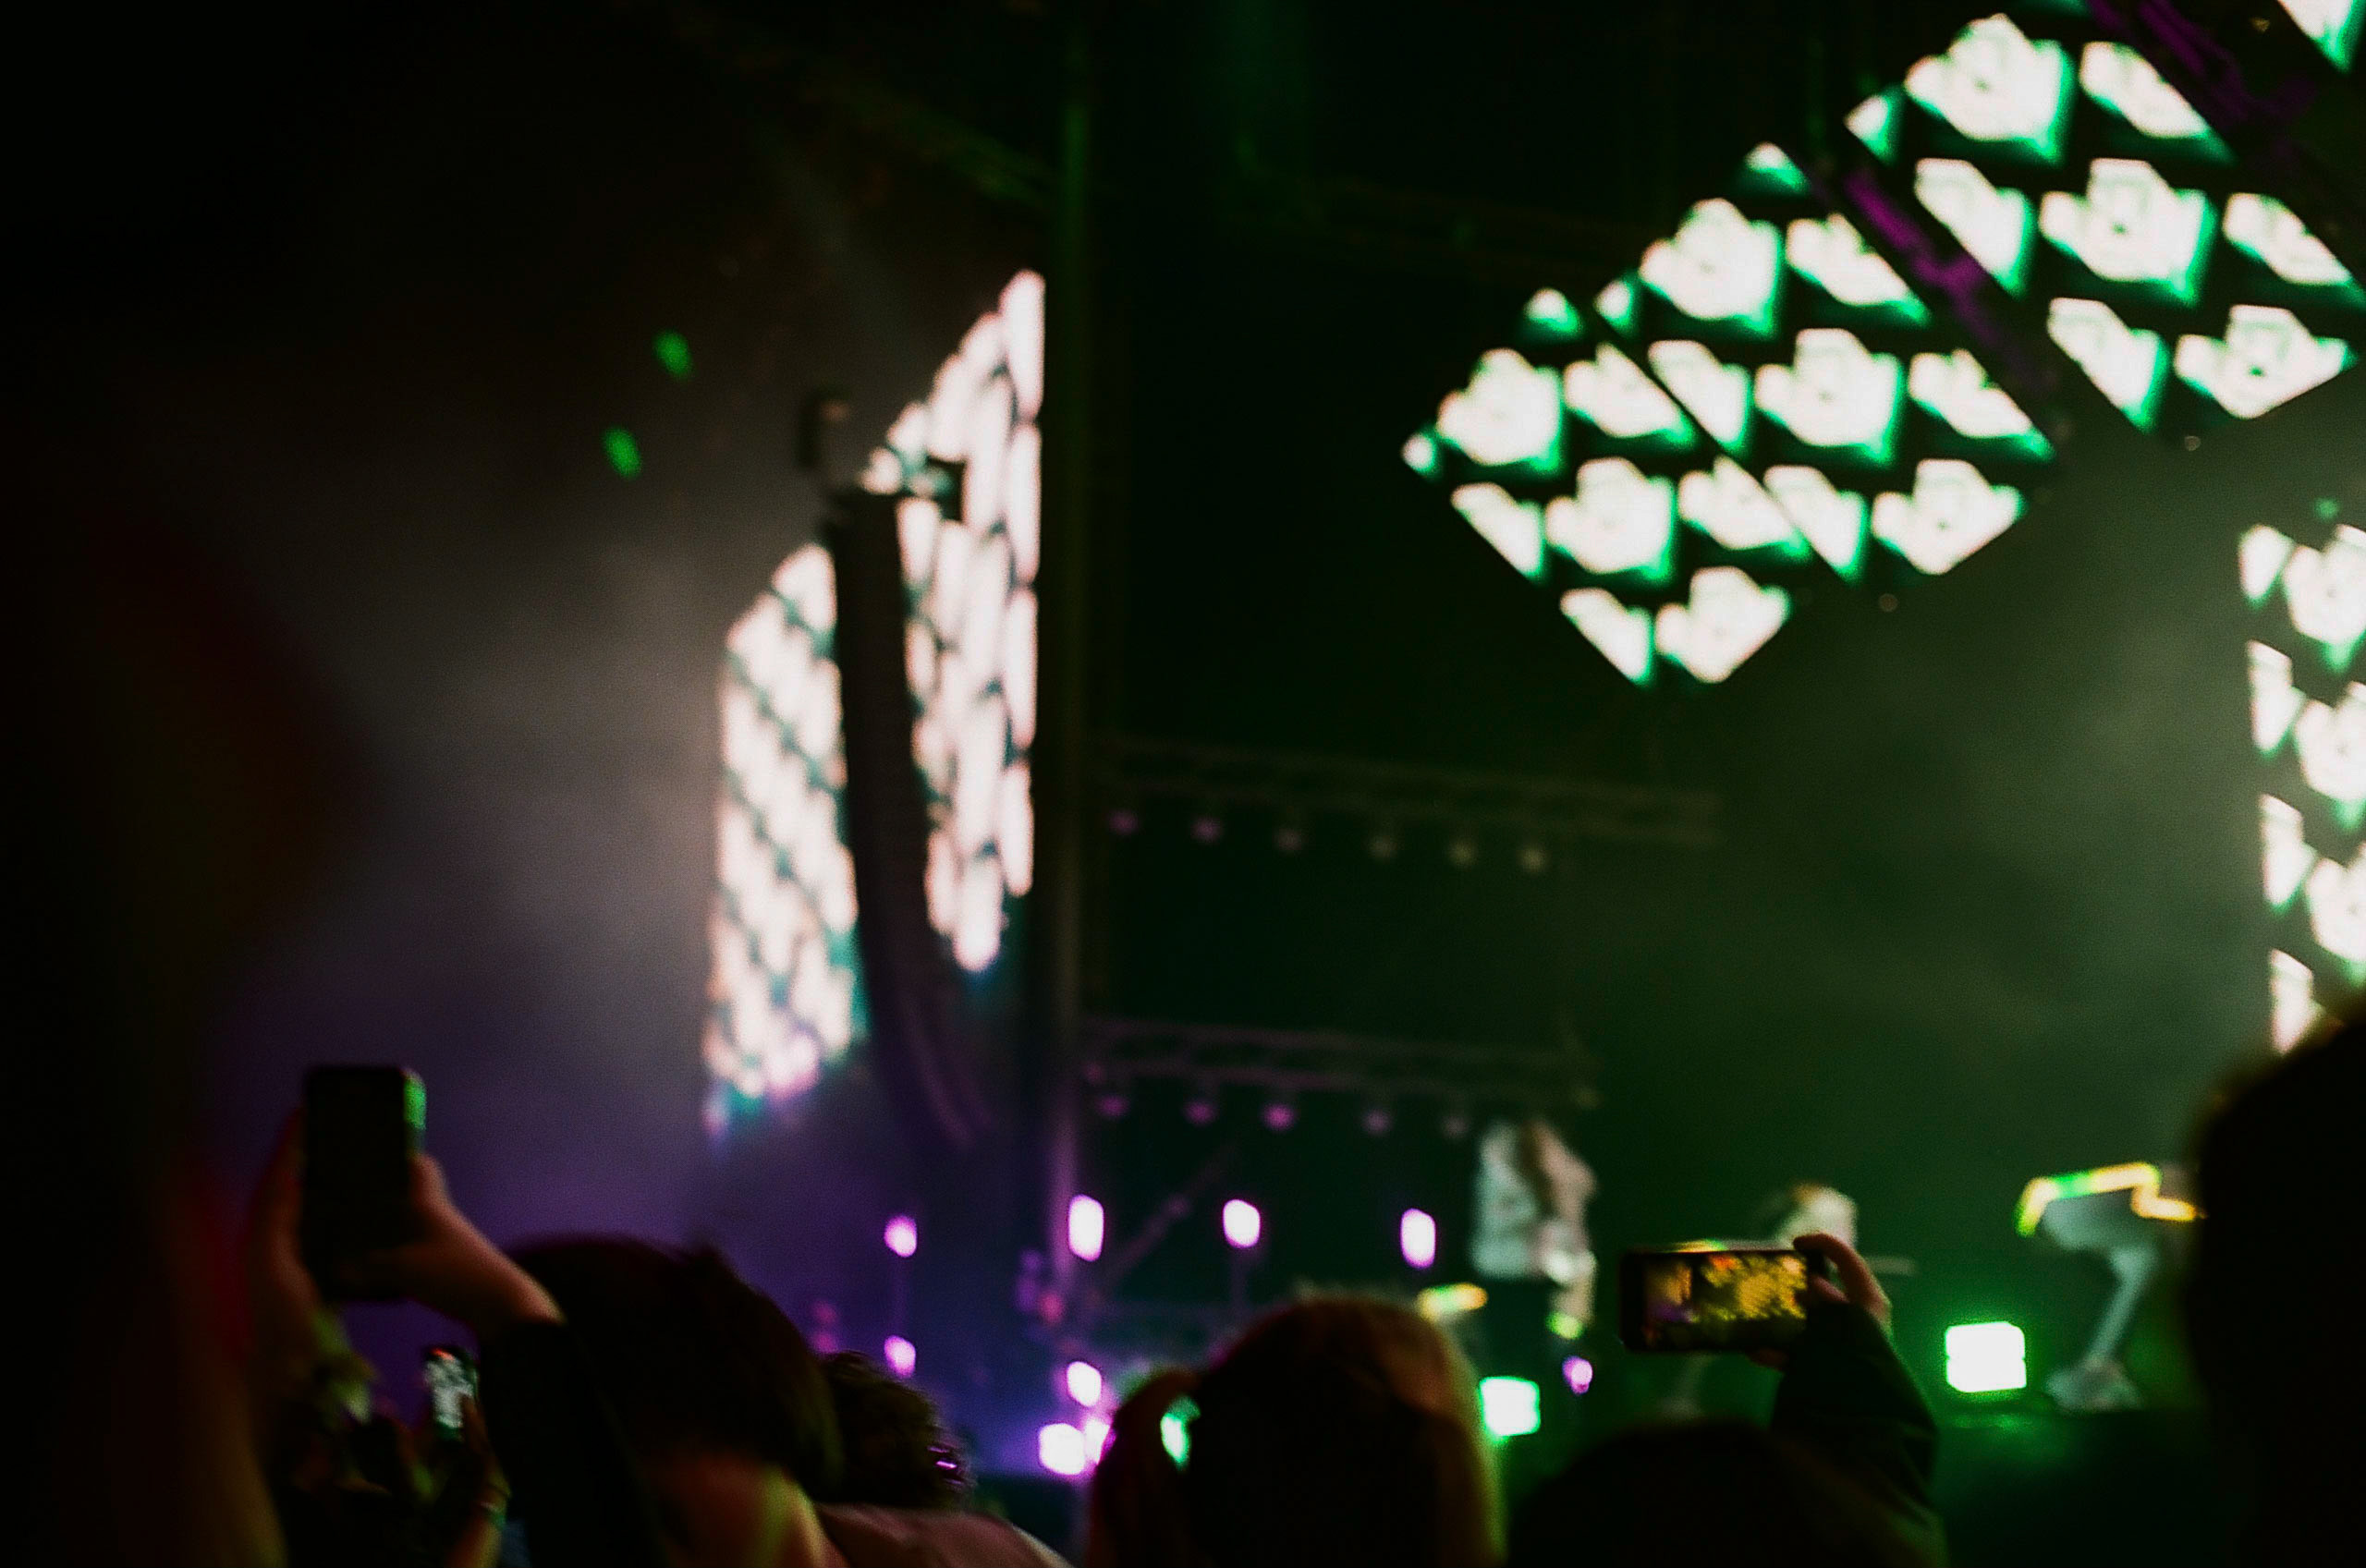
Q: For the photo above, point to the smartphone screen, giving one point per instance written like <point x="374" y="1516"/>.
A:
<point x="362" y="1125"/>
<point x="1702" y="1299"/>
<point x="451" y="1379"/>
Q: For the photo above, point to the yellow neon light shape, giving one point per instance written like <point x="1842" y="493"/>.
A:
<point x="2140" y="1179"/>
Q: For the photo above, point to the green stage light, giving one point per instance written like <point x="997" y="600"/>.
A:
<point x="1995" y="85"/>
<point x="2332" y="25"/>
<point x="624" y="452"/>
<point x="1175" y="1430"/>
<point x="674" y="353"/>
<point x="2134" y="227"/>
<point x="1994" y="224"/>
<point x="1511" y="1408"/>
<point x="1987" y="1358"/>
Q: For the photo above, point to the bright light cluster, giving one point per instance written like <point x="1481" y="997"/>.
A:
<point x="785" y="997"/>
<point x="782" y="998"/>
<point x="1580" y="456"/>
<point x="2309" y="725"/>
<point x="970" y="558"/>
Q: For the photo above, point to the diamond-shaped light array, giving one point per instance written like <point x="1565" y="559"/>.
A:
<point x="1764" y="394"/>
<point x="785" y="998"/>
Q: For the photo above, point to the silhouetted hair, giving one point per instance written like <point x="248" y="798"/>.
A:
<point x="2272" y="1297"/>
<point x="897" y="1452"/>
<point x="1306" y="1448"/>
<point x="1701" y="1492"/>
<point x="691" y="1356"/>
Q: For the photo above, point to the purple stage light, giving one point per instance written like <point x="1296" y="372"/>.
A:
<point x="903" y="1357"/>
<point x="1083" y="1381"/>
<point x="1088" y="1226"/>
<point x="1062" y="1450"/>
<point x="1577" y="1372"/>
<point x="902" y="1235"/>
<point x="1243" y="1225"/>
<point x="1417" y="1238"/>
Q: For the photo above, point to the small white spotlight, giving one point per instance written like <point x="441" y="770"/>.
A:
<point x="1083" y="1381"/>
<point x="902" y="1235"/>
<point x="1417" y="1238"/>
<point x="1243" y="1225"/>
<point x="1088" y="1226"/>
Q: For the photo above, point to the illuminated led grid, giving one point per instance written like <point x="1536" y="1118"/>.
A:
<point x="2082" y="180"/>
<point x="783" y="996"/>
<point x="2331" y="25"/>
<point x="969" y="553"/>
<point x="2309" y="725"/>
<point x="1764" y="394"/>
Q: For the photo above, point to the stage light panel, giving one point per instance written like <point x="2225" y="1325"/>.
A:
<point x="1728" y="619"/>
<point x="1175" y="1430"/>
<point x="1836" y="394"/>
<point x="2331" y="744"/>
<point x="1508" y="417"/>
<point x="1874" y="123"/>
<point x="1620" y="521"/>
<point x="1550" y="312"/>
<point x="2129" y="365"/>
<point x="2332" y="25"/>
<point x="1511" y="1408"/>
<point x="1621" y="634"/>
<point x="2291" y="999"/>
<point x="1995" y="85"/>
<point x="1956" y="391"/>
<point x="1421" y="453"/>
<point x="2266" y="360"/>
<point x="1768" y="167"/>
<point x="2285" y="858"/>
<point x="1617" y="304"/>
<point x="2337" y="897"/>
<point x="1515" y="528"/>
<point x="1953" y="512"/>
<point x="2273" y="236"/>
<point x="1832" y="521"/>
<point x="2125" y="82"/>
<point x="1611" y="392"/>
<point x="1987" y="1358"/>
<point x="1831" y="254"/>
<point x="2263" y="552"/>
<point x="1717" y="393"/>
<point x="2325" y="592"/>
<point x="1733" y="509"/>
<point x="1993" y="226"/>
<point x="2134" y="227"/>
<point x="2275" y="703"/>
<point x="1719" y="266"/>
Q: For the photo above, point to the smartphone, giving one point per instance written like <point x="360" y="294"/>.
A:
<point x="1700" y="1299"/>
<point x="451" y="1379"/>
<point x="361" y="1127"/>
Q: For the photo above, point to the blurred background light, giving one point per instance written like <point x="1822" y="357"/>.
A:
<point x="1082" y="1380"/>
<point x="1986" y="1358"/>
<point x="1417" y="1238"/>
<point x="1062" y="1449"/>
<point x="1577" y="1372"/>
<point x="903" y="1235"/>
<point x="1088" y="1227"/>
<point x="1509" y="1407"/>
<point x="1244" y="1226"/>
<point x="903" y="1357"/>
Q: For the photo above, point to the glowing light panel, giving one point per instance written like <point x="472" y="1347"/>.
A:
<point x="2127" y="364"/>
<point x="1956" y="391"/>
<point x="1417" y="1238"/>
<point x="2273" y="234"/>
<point x="1611" y="392"/>
<point x="1986" y="1358"/>
<point x="2262" y="552"/>
<point x="1874" y="123"/>
<point x="2132" y="226"/>
<point x="2336" y="895"/>
<point x="2331" y="743"/>
<point x="1719" y="266"/>
<point x="2286" y="859"/>
<point x="1515" y="528"/>
<point x="782" y="994"/>
<point x="2266" y="360"/>
<point x="2125" y="82"/>
<point x="2292" y="999"/>
<point x="2332" y="25"/>
<point x="1730" y="506"/>
<point x="2275" y="702"/>
<point x="1620" y="634"/>
<point x="1952" y="513"/>
<point x="2325" y="590"/>
<point x="1833" y="256"/>
<point x="1728" y="618"/>
<point x="1511" y="1408"/>
<point x="1716" y="393"/>
<point x="1832" y="521"/>
<point x="1620" y="520"/>
<point x="1088" y="1227"/>
<point x="1993" y="226"/>
<point x="1836" y="394"/>
<point x="1510" y="414"/>
<point x="1995" y="85"/>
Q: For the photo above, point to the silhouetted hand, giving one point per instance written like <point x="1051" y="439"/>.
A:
<point x="294" y="1331"/>
<point x="451" y="1267"/>
<point x="1851" y="1283"/>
